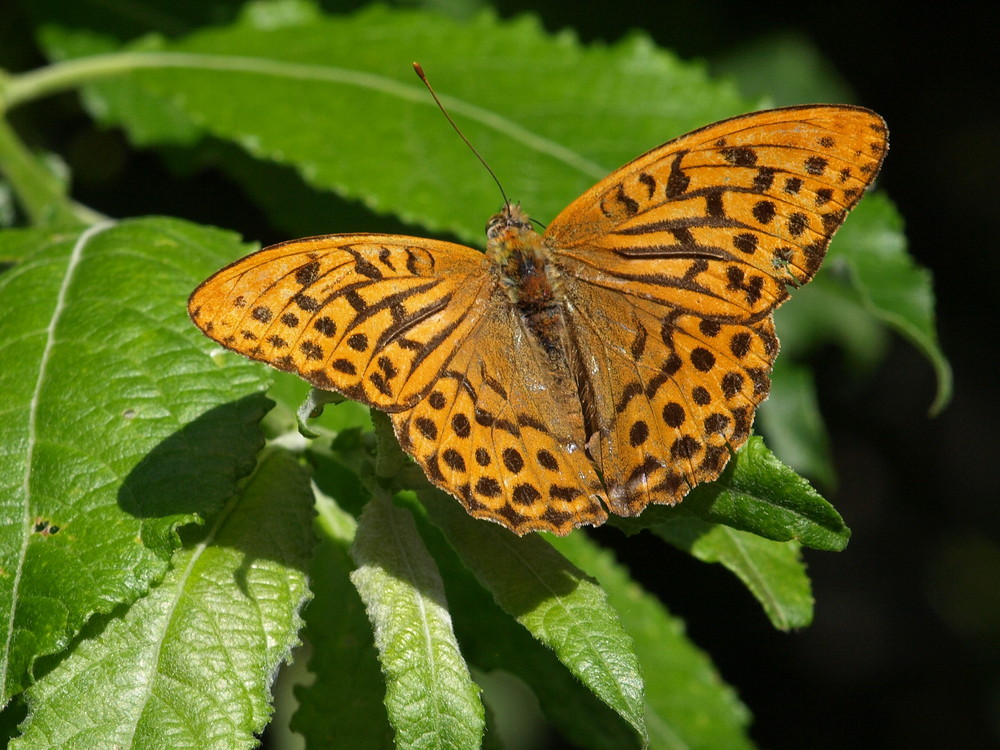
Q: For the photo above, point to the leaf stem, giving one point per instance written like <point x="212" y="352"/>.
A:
<point x="41" y="193"/>
<point x="62" y="76"/>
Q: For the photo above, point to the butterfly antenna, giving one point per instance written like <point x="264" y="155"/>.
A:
<point x="420" y="73"/>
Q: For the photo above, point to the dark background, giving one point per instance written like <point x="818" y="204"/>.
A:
<point x="905" y="648"/>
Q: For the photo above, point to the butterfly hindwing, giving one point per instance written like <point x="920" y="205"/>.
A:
<point x="674" y="395"/>
<point x="502" y="430"/>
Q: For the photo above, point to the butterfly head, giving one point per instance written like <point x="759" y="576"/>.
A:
<point x="511" y="218"/>
<point x="519" y="256"/>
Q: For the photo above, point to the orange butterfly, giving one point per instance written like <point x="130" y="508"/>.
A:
<point x="612" y="362"/>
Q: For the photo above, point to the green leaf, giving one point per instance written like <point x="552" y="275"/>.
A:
<point x="686" y="704"/>
<point x="315" y="96"/>
<point x="759" y="494"/>
<point x="893" y="290"/>
<point x="191" y="664"/>
<point x="430" y="697"/>
<point x="793" y="425"/>
<point x="772" y="571"/>
<point x="489" y="637"/>
<point x="354" y="119"/>
<point x="116" y="427"/>
<point x="344" y="704"/>
<point x="867" y="283"/>
<point x="312" y="95"/>
<point x="492" y="640"/>
<point x="872" y="247"/>
<point x="554" y="600"/>
<point x="891" y="286"/>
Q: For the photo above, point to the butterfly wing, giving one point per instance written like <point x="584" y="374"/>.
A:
<point x="423" y="330"/>
<point x="671" y="393"/>
<point x="761" y="194"/>
<point x="375" y="317"/>
<point x="673" y="266"/>
<point x="502" y="430"/>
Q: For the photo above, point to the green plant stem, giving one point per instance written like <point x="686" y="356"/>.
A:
<point x="70" y="74"/>
<point x="40" y="193"/>
<point x="62" y="76"/>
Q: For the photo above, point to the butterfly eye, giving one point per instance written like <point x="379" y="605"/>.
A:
<point x="495" y="225"/>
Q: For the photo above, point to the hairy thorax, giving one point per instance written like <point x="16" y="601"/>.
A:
<point x="524" y="266"/>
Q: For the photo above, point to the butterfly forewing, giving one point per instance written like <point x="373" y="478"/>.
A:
<point x="376" y="317"/>
<point x="719" y="221"/>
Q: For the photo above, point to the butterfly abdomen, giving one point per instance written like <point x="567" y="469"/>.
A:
<point x="542" y="316"/>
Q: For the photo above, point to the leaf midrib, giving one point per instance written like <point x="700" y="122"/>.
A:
<point x="626" y="701"/>
<point x="31" y="441"/>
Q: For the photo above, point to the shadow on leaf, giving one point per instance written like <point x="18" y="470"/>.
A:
<point x="196" y="468"/>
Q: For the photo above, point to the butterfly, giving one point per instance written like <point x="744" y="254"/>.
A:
<point x="612" y="362"/>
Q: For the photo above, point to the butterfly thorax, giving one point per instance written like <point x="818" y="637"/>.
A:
<point x="523" y="266"/>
